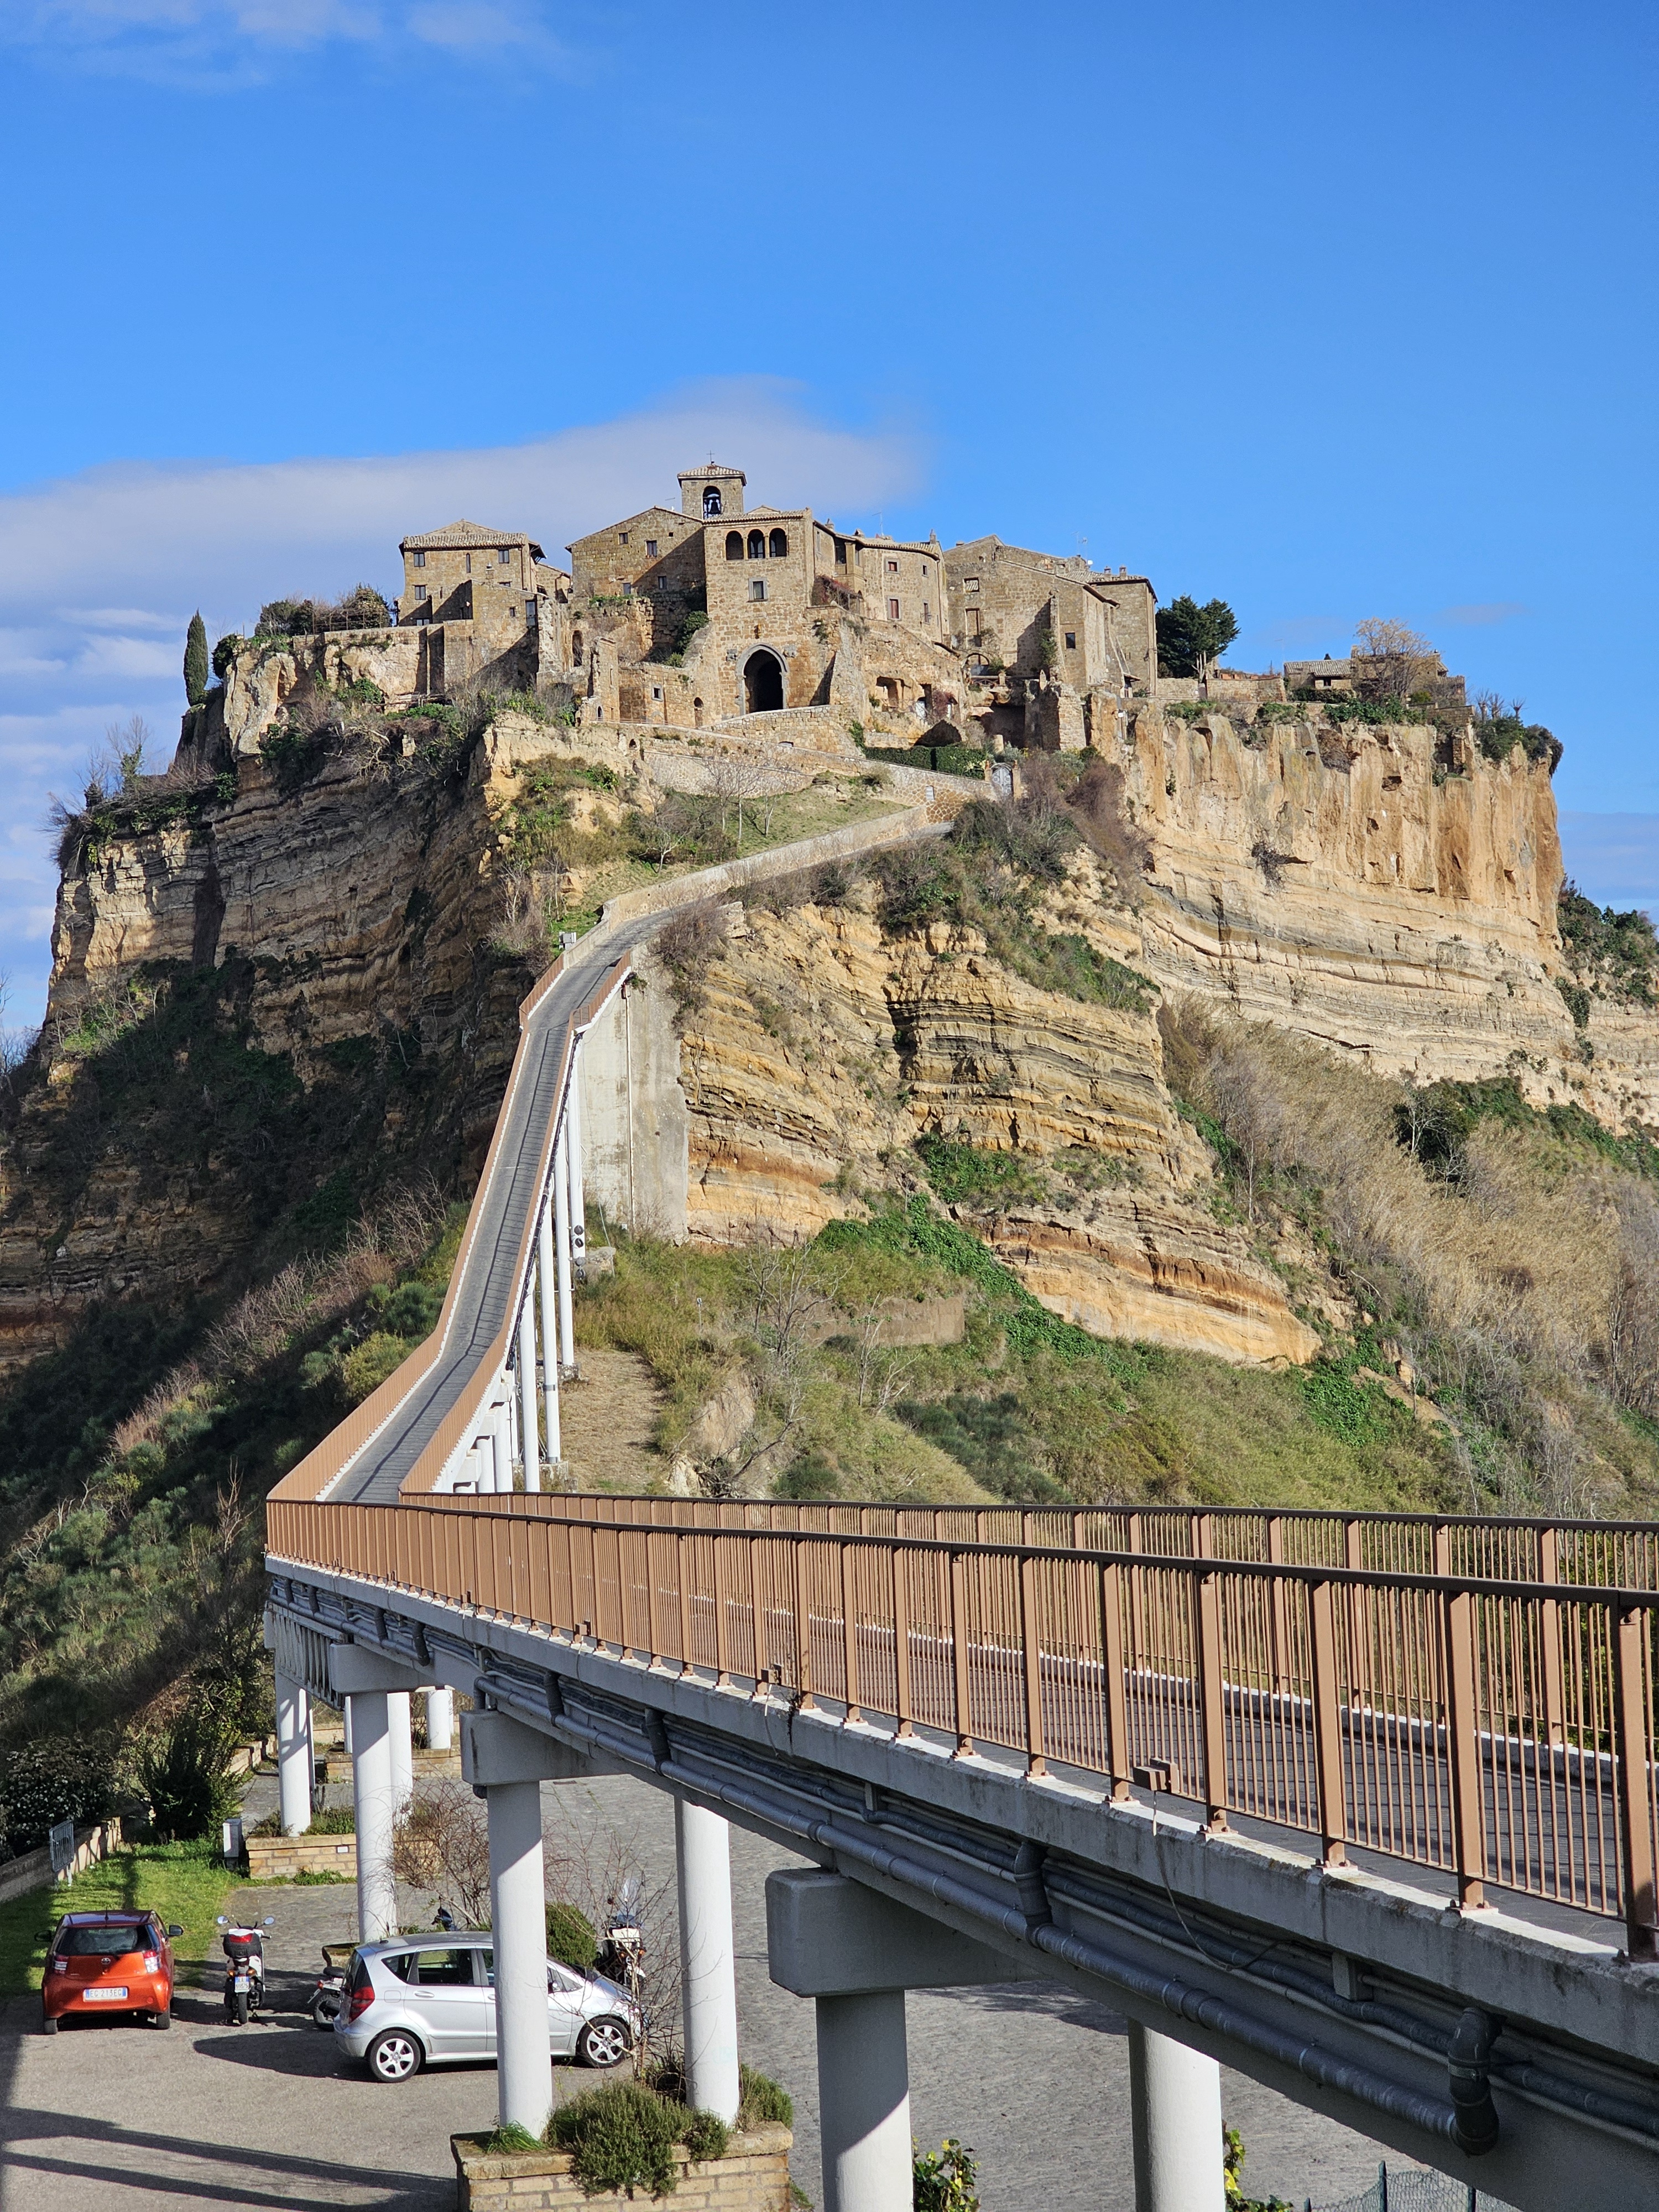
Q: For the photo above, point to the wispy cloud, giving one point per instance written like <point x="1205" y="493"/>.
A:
<point x="210" y="43"/>
<point x="1482" y="614"/>
<point x="100" y="573"/>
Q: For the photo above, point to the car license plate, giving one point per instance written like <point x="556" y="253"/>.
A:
<point x="240" y="1983"/>
<point x="104" y="1996"/>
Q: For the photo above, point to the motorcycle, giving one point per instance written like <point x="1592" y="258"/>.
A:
<point x="329" y="1993"/>
<point x="621" y="1947"/>
<point x="245" y="1968"/>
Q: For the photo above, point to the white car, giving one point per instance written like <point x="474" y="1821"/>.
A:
<point x="409" y="2004"/>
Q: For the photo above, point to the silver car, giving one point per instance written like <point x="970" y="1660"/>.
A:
<point x="409" y="2004"/>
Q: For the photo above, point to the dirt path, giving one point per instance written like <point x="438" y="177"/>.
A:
<point x="608" y="1417"/>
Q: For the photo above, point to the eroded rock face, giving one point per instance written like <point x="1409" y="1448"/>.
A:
<point x="1387" y="891"/>
<point x="820" y="1052"/>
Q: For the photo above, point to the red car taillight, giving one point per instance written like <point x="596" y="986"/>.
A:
<point x="59" y="1966"/>
<point x="152" y="1963"/>
<point x="360" y="2001"/>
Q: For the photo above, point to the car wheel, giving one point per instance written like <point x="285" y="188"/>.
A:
<point x="395" y="2057"/>
<point x="162" y="2019"/>
<point x="49" y="2024"/>
<point x="604" y="2042"/>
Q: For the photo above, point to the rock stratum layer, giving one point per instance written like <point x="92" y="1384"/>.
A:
<point x="1383" y="891"/>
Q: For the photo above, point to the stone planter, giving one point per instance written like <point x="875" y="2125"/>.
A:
<point x="753" y="2177"/>
<point x="279" y="1859"/>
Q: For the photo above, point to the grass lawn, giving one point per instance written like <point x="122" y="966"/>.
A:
<point x="184" y="1882"/>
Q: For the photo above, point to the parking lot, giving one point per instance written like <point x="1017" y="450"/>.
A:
<point x="111" y="2115"/>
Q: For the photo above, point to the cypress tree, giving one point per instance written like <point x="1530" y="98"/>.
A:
<point x="196" y="661"/>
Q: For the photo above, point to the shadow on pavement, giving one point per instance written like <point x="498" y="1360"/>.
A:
<point x="220" y="2185"/>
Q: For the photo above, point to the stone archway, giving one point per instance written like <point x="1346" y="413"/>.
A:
<point x="763" y="684"/>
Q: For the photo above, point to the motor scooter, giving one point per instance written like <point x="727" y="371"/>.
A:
<point x="329" y="1993"/>
<point x="244" y="1967"/>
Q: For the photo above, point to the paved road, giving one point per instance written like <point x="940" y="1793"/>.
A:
<point x="110" y="2118"/>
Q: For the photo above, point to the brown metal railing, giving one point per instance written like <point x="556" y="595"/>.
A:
<point x="1498" y="1728"/>
<point x="1608" y="1554"/>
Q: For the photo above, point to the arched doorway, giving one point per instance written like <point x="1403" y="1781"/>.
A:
<point x="763" y="684"/>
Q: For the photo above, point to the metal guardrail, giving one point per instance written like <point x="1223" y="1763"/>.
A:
<point x="1495" y="1728"/>
<point x="1619" y="1554"/>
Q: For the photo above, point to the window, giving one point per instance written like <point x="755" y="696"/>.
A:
<point x="423" y="591"/>
<point x="757" y="589"/>
<point x="973" y="622"/>
<point x="893" y="610"/>
<point x="656" y="690"/>
<point x="505" y="553"/>
<point x="926" y="615"/>
<point x="734" y="545"/>
<point x="780" y="544"/>
<point x="972" y="584"/>
<point x="892" y="568"/>
<point x="924" y="567"/>
<point x="841" y="553"/>
<point x="621" y="537"/>
<point x="469" y="564"/>
<point x="651" y="547"/>
<point x="417" y="560"/>
<point x="758" y="545"/>
<point x="1071" y="640"/>
<point x="711" y="500"/>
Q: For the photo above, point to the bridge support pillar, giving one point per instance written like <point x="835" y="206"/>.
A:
<point x="702" y="1843"/>
<point x="399" y="1729"/>
<point x="1175" y="2099"/>
<point x="294" y="1755"/>
<point x="509" y="1762"/>
<point x="567" y="1351"/>
<point x="439" y="1719"/>
<point x="857" y="1951"/>
<point x="369" y="1683"/>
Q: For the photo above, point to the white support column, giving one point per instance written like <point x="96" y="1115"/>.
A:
<point x="864" y="2103"/>
<point x="702" y="1845"/>
<point x="439" y="1719"/>
<point x="562" y="1242"/>
<point x="857" y="1952"/>
<point x="518" y="1916"/>
<point x="573" y="1148"/>
<point x="546" y="1284"/>
<point x="294" y="1755"/>
<point x="403" y="1748"/>
<point x="371" y="1790"/>
<point x="529" y="1417"/>
<point x="1175" y="2106"/>
<point x="500" y="1431"/>
<point x="346" y="1744"/>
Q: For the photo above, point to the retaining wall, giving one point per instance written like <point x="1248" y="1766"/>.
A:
<point x="753" y="2177"/>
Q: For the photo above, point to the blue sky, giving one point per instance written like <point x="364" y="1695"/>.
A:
<point x="1334" y="311"/>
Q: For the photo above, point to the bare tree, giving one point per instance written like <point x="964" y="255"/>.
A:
<point x="1391" y="660"/>
<point x="440" y="1844"/>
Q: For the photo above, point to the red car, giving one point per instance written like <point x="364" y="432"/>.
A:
<point x="106" y="1962"/>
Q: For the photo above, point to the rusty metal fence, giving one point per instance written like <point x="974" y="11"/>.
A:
<point x="1498" y="1728"/>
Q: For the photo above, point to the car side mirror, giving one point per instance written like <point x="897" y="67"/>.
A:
<point x="175" y="1929"/>
<point x="220" y="1921"/>
<point x="270" y="1920"/>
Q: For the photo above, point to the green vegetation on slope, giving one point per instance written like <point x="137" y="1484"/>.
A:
<point x="185" y="1883"/>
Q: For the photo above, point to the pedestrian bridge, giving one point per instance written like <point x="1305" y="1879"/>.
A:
<point x="1363" y="1806"/>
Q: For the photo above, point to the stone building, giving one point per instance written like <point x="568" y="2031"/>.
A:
<point x="488" y="604"/>
<point x="694" y="614"/>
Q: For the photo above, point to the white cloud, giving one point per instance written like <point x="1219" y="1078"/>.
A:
<point x="100" y="573"/>
<point x="206" y="44"/>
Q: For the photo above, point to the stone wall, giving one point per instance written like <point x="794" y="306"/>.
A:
<point x="753" y="2177"/>
<point x="279" y="1859"/>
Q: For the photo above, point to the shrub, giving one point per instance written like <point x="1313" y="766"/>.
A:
<point x="570" y="1937"/>
<point x="225" y="651"/>
<point x="186" y="1777"/>
<point x="762" y="2102"/>
<point x="621" y="2137"/>
<point x="943" y="2179"/>
<point x="504" y="2142"/>
<point x="705" y="2135"/>
<point x="52" y="1780"/>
